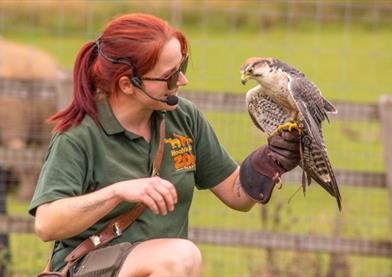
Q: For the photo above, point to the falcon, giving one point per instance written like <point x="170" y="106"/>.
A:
<point x="285" y="98"/>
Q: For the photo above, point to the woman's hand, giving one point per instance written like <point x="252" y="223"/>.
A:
<point x="156" y="193"/>
<point x="284" y="149"/>
<point x="262" y="169"/>
<point x="56" y="220"/>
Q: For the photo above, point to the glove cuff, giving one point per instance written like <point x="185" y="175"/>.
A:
<point x="257" y="186"/>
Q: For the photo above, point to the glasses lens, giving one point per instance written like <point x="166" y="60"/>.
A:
<point x="184" y="65"/>
<point x="173" y="79"/>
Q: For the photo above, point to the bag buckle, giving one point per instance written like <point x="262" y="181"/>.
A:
<point x="116" y="229"/>
<point x="95" y="239"/>
<point x="155" y="172"/>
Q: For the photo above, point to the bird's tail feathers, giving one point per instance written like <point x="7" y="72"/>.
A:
<point x="329" y="107"/>
<point x="324" y="168"/>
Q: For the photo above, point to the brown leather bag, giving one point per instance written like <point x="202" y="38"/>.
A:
<point x="113" y="229"/>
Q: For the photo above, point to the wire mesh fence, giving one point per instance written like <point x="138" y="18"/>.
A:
<point x="344" y="47"/>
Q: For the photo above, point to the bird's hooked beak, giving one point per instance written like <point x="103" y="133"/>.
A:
<point x="244" y="77"/>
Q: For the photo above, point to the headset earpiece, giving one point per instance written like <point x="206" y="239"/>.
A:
<point x="137" y="82"/>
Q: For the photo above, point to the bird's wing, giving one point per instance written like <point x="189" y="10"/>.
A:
<point x="292" y="71"/>
<point x="303" y="89"/>
<point x="301" y="80"/>
<point x="264" y="112"/>
<point x="316" y="162"/>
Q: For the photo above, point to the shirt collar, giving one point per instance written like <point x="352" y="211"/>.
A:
<point x="107" y="119"/>
<point x="110" y="123"/>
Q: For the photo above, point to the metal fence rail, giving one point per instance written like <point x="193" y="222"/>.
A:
<point x="243" y="238"/>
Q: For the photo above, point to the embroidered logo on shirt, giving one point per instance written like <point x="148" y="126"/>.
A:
<point x="181" y="151"/>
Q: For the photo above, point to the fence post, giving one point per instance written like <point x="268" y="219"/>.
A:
<point x="4" y="253"/>
<point x="385" y="108"/>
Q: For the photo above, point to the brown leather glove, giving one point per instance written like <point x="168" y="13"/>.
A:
<point x="262" y="169"/>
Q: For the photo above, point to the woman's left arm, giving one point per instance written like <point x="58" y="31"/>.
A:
<point x="260" y="172"/>
<point x="230" y="192"/>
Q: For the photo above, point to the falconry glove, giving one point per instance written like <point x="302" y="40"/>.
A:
<point x="261" y="170"/>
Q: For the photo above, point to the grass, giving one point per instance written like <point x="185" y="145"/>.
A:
<point x="314" y="214"/>
<point x="351" y="65"/>
<point x="347" y="64"/>
<point x="351" y="145"/>
<point x="256" y="262"/>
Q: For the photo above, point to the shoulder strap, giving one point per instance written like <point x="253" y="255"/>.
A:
<point x="156" y="165"/>
<point x="120" y="223"/>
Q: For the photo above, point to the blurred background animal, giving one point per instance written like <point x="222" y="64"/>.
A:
<point x="28" y="77"/>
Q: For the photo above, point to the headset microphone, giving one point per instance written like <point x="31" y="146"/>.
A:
<point x="171" y="100"/>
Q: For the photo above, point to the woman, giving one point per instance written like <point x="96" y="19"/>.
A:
<point x="99" y="160"/>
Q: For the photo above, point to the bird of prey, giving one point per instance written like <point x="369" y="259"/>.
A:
<point x="285" y="98"/>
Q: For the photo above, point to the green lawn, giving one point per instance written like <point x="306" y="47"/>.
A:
<point x="352" y="64"/>
<point x="316" y="213"/>
<point x="351" y="145"/>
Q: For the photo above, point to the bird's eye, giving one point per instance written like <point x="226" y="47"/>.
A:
<point x="249" y="70"/>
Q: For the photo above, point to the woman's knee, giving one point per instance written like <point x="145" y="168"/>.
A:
<point x="175" y="257"/>
<point x="184" y="258"/>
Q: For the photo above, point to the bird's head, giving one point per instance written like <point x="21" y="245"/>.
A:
<point x="255" y="68"/>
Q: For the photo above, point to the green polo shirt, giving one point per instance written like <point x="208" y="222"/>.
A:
<point x="90" y="156"/>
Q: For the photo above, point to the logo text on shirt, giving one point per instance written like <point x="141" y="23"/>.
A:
<point x="181" y="151"/>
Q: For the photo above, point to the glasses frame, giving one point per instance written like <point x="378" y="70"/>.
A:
<point x="172" y="79"/>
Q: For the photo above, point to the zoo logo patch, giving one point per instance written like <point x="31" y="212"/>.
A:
<point x="181" y="151"/>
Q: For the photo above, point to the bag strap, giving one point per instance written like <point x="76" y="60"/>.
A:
<point x="120" y="223"/>
<point x="116" y="226"/>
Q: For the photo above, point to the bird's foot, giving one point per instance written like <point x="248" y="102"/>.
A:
<point x="289" y="126"/>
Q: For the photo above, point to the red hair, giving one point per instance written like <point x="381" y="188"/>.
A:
<point x="137" y="37"/>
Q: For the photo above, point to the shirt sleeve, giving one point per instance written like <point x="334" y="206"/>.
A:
<point x="63" y="172"/>
<point x="213" y="163"/>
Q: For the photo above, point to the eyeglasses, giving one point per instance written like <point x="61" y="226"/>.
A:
<point x="172" y="80"/>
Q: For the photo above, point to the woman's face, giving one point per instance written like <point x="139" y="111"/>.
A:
<point x="168" y="63"/>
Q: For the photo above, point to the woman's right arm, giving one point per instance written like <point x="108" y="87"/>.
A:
<point x="70" y="216"/>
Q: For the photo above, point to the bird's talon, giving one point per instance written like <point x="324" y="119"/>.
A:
<point x="289" y="126"/>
